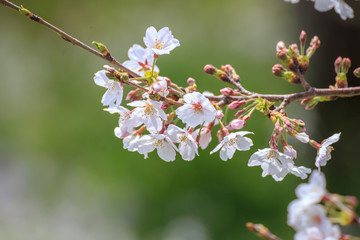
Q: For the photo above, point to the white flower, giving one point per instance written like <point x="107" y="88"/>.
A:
<point x="343" y="9"/>
<point x="131" y="142"/>
<point x="292" y="1"/>
<point x="314" y="191"/>
<point x="290" y="151"/>
<point x="196" y="110"/>
<point x="125" y="124"/>
<point x="302" y="137"/>
<point x="165" y="148"/>
<point x="161" y="42"/>
<point x="324" y="152"/>
<point x="340" y="6"/>
<point x="141" y="60"/>
<point x="311" y="222"/>
<point x="187" y="145"/>
<point x="315" y="233"/>
<point x="149" y="113"/>
<point x="231" y="143"/>
<point x="114" y="93"/>
<point x="205" y="136"/>
<point x="276" y="164"/>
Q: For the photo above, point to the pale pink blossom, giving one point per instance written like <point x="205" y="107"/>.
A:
<point x="114" y="93"/>
<point x="324" y="152"/>
<point x="140" y="60"/>
<point x="187" y="145"/>
<point x="276" y="164"/>
<point x="196" y="110"/>
<point x="231" y="143"/>
<point x="147" y="112"/>
<point x="205" y="136"/>
<point x="161" y="42"/>
<point x="163" y="144"/>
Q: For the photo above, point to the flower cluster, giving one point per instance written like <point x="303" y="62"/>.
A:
<point x="307" y="216"/>
<point x="169" y="118"/>
<point x="150" y="122"/>
<point x="340" y="7"/>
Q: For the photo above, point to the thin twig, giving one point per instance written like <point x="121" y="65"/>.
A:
<point x="71" y="39"/>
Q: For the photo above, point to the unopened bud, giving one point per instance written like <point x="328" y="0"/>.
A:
<point x="357" y="72"/>
<point x="346" y="64"/>
<point x="314" y="44"/>
<point x="280" y="46"/>
<point x="294" y="50"/>
<point x="236" y="104"/>
<point x="227" y="91"/>
<point x="237" y="123"/>
<point x="131" y="94"/>
<point x="219" y="114"/>
<point x="337" y="64"/>
<point x="238" y="113"/>
<point x="228" y="68"/>
<point x="156" y="87"/>
<point x="278" y="70"/>
<point x="165" y="106"/>
<point x="190" y="81"/>
<point x="291" y="77"/>
<point x="302" y="38"/>
<point x="210" y="69"/>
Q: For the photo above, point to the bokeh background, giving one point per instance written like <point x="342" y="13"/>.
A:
<point x="63" y="173"/>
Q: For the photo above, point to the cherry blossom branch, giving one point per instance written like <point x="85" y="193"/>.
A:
<point x="289" y="98"/>
<point x="68" y="37"/>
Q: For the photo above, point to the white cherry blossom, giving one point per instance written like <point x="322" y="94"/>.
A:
<point x="313" y="191"/>
<point x="302" y="137"/>
<point x="161" y="42"/>
<point x="231" y="143"/>
<point x="205" y="136"/>
<point x="125" y="124"/>
<point x="131" y="142"/>
<point x="324" y="152"/>
<point x="196" y="110"/>
<point x="114" y="94"/>
<point x="187" y="145"/>
<point x="276" y="164"/>
<point x="163" y="144"/>
<point x="147" y="112"/>
<point x="340" y="7"/>
<point x="140" y="60"/>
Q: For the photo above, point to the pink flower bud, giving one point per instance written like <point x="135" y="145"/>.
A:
<point x="236" y="104"/>
<point x="302" y="38"/>
<point x="346" y="64"/>
<point x="337" y="64"/>
<point x="228" y="68"/>
<point x="357" y="72"/>
<point x="219" y="114"/>
<point x="238" y="113"/>
<point x="210" y="69"/>
<point x="280" y="46"/>
<point x="131" y="95"/>
<point x="227" y="91"/>
<point x="237" y="123"/>
<point x="190" y="81"/>
<point x="278" y="70"/>
<point x="165" y="106"/>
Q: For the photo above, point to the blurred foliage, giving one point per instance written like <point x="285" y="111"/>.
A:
<point x="63" y="173"/>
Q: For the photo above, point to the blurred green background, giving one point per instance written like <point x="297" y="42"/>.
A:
<point x="63" y="173"/>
